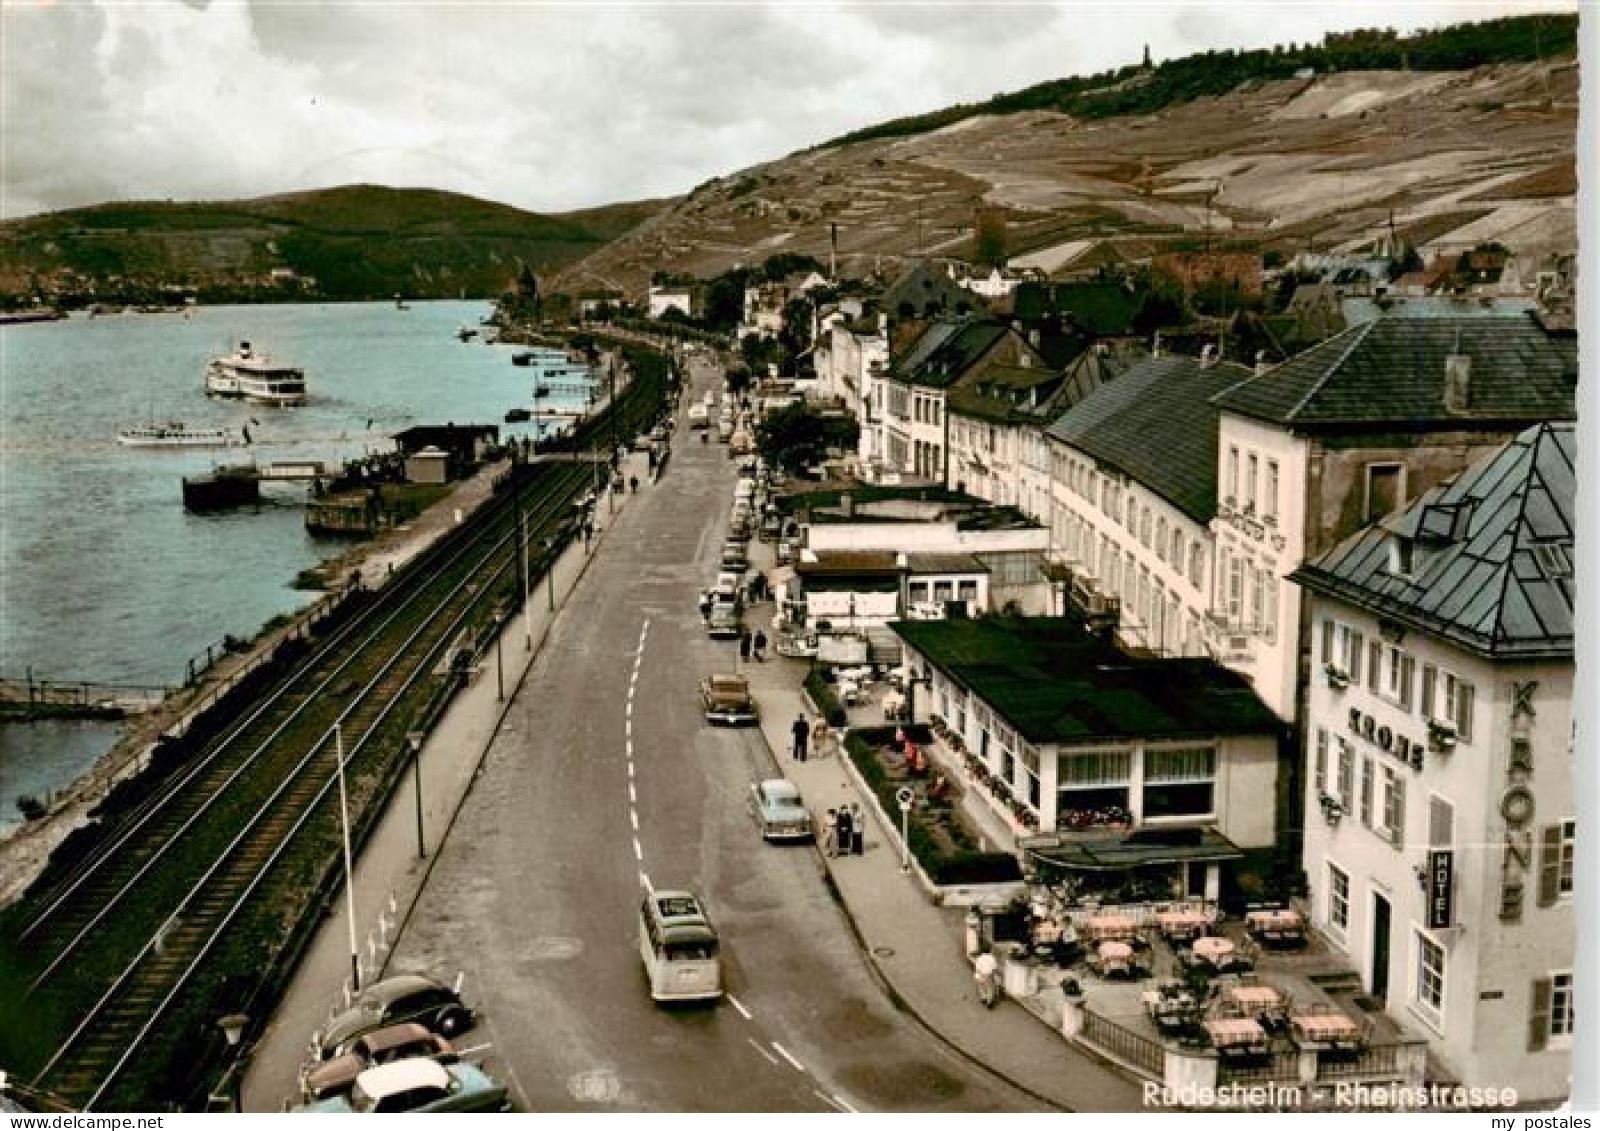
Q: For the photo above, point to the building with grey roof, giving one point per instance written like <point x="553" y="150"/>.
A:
<point x="1346" y="433"/>
<point x="1440" y="825"/>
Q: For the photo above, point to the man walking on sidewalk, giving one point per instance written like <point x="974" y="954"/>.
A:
<point x="802" y="732"/>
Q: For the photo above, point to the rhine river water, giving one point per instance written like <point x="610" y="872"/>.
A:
<point x="103" y="575"/>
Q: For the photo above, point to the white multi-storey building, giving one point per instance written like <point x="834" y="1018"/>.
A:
<point x="1345" y="433"/>
<point x="1440" y="823"/>
<point x="1133" y="493"/>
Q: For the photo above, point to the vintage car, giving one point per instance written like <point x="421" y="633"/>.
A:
<point x="405" y="997"/>
<point x="726" y="699"/>
<point x="394" y="1042"/>
<point x="726" y="620"/>
<point x="778" y="810"/>
<point x="416" y="1085"/>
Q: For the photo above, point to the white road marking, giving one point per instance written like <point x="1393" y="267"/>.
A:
<point x="630" y="708"/>
<point x="638" y="850"/>
<point x="739" y="1005"/>
<point x="783" y="1052"/>
<point x="827" y="1099"/>
<point x="633" y="815"/>
<point x="633" y="794"/>
<point x="756" y="1045"/>
<point x="845" y="1104"/>
<point x="627" y="729"/>
<point x="644" y="881"/>
<point x="630" y="767"/>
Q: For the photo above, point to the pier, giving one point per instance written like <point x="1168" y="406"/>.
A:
<point x="31" y="698"/>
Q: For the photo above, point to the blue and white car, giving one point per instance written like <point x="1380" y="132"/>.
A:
<point x="416" y="1085"/>
<point x="779" y="811"/>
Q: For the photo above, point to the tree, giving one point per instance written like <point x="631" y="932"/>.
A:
<point x="796" y="436"/>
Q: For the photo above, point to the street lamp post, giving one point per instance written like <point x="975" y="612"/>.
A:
<point x="499" y="667"/>
<point x="550" y="572"/>
<point x="522" y="546"/>
<point x="349" y="871"/>
<point x="233" y="1027"/>
<point x="414" y="740"/>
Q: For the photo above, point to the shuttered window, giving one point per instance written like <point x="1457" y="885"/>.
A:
<point x="1355" y="658"/>
<point x="1539" y="1014"/>
<point x="1366" y="791"/>
<point x="1346" y="774"/>
<point x="1441" y="822"/>
<point x="1327" y="641"/>
<point x="1556" y="848"/>
<point x="1429" y="677"/>
<point x="1322" y="761"/>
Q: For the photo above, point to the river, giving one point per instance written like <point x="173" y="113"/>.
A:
<point x="104" y="576"/>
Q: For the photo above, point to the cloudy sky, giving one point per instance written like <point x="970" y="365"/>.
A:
<point x="541" y="105"/>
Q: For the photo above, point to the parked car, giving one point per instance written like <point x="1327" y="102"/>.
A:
<point x="779" y="811"/>
<point x="393" y="1042"/>
<point x="405" y="997"/>
<point x="416" y="1085"/>
<point x="726" y="699"/>
<point x="735" y="559"/>
<point x="726" y="621"/>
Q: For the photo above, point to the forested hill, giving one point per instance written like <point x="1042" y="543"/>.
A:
<point x="1146" y="90"/>
<point x="358" y="241"/>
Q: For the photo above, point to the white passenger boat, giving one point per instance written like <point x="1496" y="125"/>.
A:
<point x="255" y="377"/>
<point x="176" y="434"/>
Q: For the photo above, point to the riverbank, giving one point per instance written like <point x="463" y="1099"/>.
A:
<point x="27" y="848"/>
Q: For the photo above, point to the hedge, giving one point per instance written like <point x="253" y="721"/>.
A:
<point x="964" y="864"/>
<point x="822" y="694"/>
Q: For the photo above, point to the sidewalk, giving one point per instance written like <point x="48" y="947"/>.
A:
<point x="917" y="948"/>
<point x="389" y="872"/>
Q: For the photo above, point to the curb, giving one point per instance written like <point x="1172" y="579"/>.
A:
<point x="881" y="976"/>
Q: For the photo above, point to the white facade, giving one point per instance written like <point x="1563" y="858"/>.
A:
<point x="849" y="361"/>
<point x="1492" y="988"/>
<point x="914" y="429"/>
<point x="986" y="458"/>
<point x="996" y="284"/>
<point x="1138" y="548"/>
<point x="1012" y="555"/>
<point x="1260" y="537"/>
<point x="1045" y="787"/>
<point x="663" y="299"/>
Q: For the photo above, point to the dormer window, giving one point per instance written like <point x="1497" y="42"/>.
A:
<point x="1402" y="556"/>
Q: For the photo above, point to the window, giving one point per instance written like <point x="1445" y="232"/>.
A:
<point x="1394" y="807"/>
<point x="1092" y="788"/>
<point x="1322" y="761"/>
<point x="1430" y="976"/>
<point x="917" y="591"/>
<point x="1197" y="565"/>
<point x="1557" y="843"/>
<point x="1161" y="538"/>
<point x="1175" y="554"/>
<point x="1399" y="676"/>
<point x="1368" y="777"/>
<point x="1447" y="697"/>
<point x="1144" y="527"/>
<point x="1346" y="776"/>
<point x="967" y="590"/>
<point x="1250" y="483"/>
<point x="1441" y="822"/>
<point x="1130" y="515"/>
<point x="1235" y="590"/>
<point x="1258" y="597"/>
<point x="1233" y="474"/>
<point x="1269" y="505"/>
<point x="1030" y="770"/>
<point x="1178" y="782"/>
<point x="1338" y="898"/>
<point x="1385" y="489"/>
<point x="1561" y="1005"/>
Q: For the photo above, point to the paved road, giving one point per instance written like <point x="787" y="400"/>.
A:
<point x="582" y="799"/>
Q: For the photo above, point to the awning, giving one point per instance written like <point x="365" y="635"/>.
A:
<point x="1113" y="852"/>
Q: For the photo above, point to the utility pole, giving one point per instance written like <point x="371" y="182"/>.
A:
<point x="522" y="547"/>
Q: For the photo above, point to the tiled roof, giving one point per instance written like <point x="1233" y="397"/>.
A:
<point x="1492" y="554"/>
<point x="1156" y="424"/>
<point x="1056" y="685"/>
<point x="947" y="351"/>
<point x="1393" y="370"/>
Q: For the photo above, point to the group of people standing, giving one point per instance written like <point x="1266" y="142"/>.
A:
<point x="844" y="833"/>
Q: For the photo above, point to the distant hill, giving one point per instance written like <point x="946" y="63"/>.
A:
<point x="359" y="241"/>
<point x="1450" y="138"/>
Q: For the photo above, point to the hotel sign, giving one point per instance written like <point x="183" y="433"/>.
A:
<point x="1399" y="746"/>
<point x="1441" y="887"/>
<point x="1517" y="808"/>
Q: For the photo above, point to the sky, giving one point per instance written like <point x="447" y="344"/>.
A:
<point x="544" y="106"/>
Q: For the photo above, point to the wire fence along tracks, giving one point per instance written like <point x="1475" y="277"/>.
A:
<point x="194" y="903"/>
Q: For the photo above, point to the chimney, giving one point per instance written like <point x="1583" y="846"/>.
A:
<point x="1457" y="380"/>
<point x="1261" y="362"/>
<point x="1033" y="337"/>
<point x="1207" y="355"/>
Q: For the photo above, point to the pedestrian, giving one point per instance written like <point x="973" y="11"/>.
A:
<point x="801" y="731"/>
<point x="758" y="645"/>
<point x="705" y="604"/>
<point x="744" y="647"/>
<point x="846" y="830"/>
<point x="858" y="830"/>
<point x="830" y="834"/>
<point x="633" y="484"/>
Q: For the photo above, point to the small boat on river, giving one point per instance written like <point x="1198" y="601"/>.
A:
<point x="176" y="434"/>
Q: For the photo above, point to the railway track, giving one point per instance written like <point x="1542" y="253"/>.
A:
<point x="196" y="895"/>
